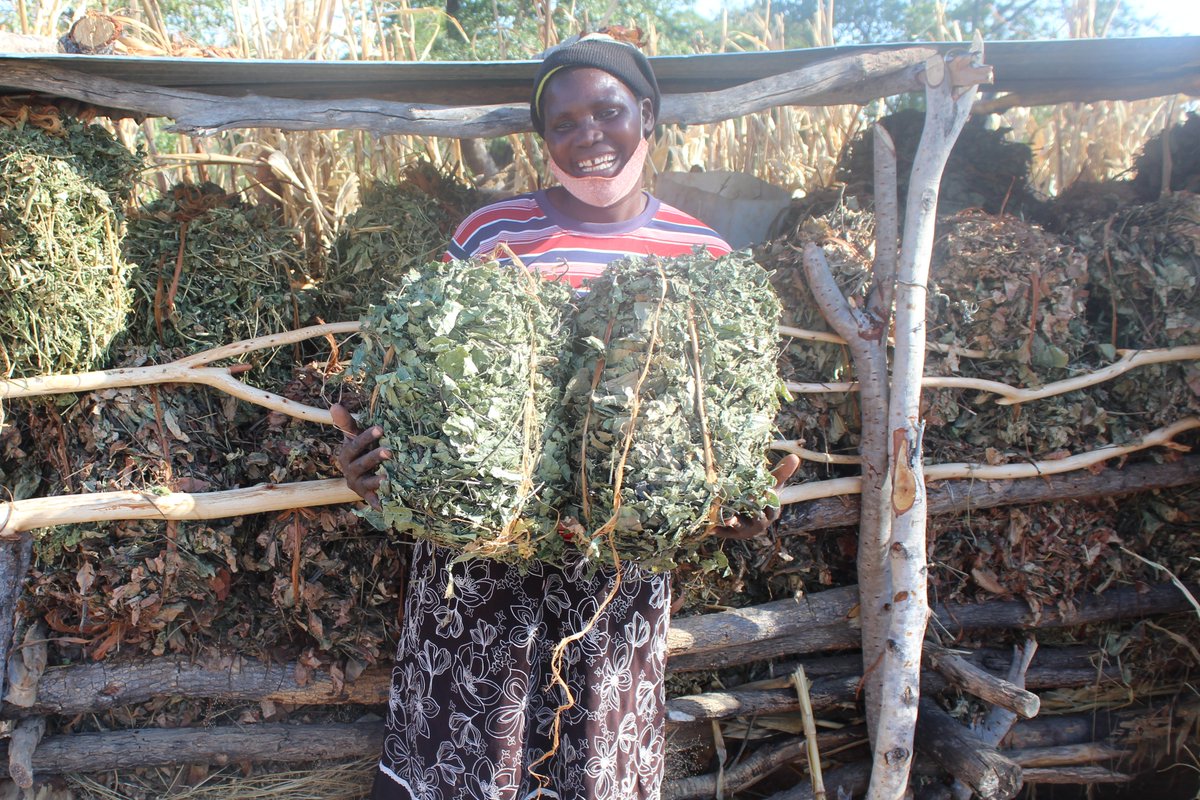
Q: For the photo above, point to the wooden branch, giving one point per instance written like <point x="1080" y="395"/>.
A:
<point x="1163" y="437"/>
<point x="759" y="764"/>
<point x="854" y="79"/>
<point x="1118" y="90"/>
<point x="189" y="369"/>
<point x="1130" y="359"/>
<point x="21" y="746"/>
<point x="964" y="755"/>
<point x="24" y="515"/>
<point x="982" y="684"/>
<point x="887" y="226"/>
<point x="26" y="665"/>
<point x="1074" y="775"/>
<point x="1011" y="395"/>
<point x="15" y="557"/>
<point x="96" y="688"/>
<point x="1000" y="719"/>
<point x="812" y="455"/>
<point x="99" y="687"/>
<point x="1067" y="755"/>
<point x="160" y="747"/>
<point x="957" y="497"/>
<point x="709" y="632"/>
<point x="832" y="338"/>
<point x="809" y="721"/>
<point x="863" y="336"/>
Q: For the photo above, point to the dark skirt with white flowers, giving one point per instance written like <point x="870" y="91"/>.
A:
<point x="473" y="698"/>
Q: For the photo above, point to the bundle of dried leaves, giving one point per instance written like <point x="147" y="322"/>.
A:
<point x="399" y="227"/>
<point x="986" y="169"/>
<point x="211" y="270"/>
<point x="672" y="399"/>
<point x="63" y="288"/>
<point x="463" y="368"/>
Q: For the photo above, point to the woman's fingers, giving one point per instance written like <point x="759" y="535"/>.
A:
<point x="342" y="419"/>
<point x="785" y="469"/>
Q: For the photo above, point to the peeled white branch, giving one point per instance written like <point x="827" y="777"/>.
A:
<point x="1011" y="395"/>
<point x="41" y="512"/>
<point x="190" y="369"/>
<point x="950" y="88"/>
<point x="1163" y="437"/>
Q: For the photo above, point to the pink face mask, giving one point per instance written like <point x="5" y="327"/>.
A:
<point x="603" y="192"/>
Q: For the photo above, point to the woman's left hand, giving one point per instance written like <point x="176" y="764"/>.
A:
<point x="749" y="527"/>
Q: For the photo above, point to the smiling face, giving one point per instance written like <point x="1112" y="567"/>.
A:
<point x="593" y="123"/>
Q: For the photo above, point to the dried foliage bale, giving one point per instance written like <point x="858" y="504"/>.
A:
<point x="672" y="399"/>
<point x="463" y="368"/>
<point x="986" y="170"/>
<point x="155" y="587"/>
<point x="1144" y="263"/>
<point x="322" y="579"/>
<point x="399" y="227"/>
<point x="63" y="282"/>
<point x="1085" y="202"/>
<point x="1184" y="143"/>
<point x="211" y="270"/>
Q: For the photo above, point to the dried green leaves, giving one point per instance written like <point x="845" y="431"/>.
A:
<point x="673" y="399"/>
<point x="464" y="371"/>
<point x="668" y="414"/>
<point x="63" y="295"/>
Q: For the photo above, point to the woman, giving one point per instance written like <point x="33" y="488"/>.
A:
<point x="472" y="706"/>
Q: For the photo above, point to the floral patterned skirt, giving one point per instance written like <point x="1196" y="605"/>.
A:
<point x="473" y="698"/>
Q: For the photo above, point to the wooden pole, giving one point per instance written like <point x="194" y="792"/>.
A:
<point x="950" y="88"/>
<point x="965" y="756"/>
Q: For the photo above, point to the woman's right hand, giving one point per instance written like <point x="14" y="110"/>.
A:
<point x="359" y="458"/>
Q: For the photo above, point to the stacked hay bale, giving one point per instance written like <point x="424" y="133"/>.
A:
<point x="399" y="227"/>
<point x="213" y="269"/>
<point x="63" y="289"/>
<point x="671" y="406"/>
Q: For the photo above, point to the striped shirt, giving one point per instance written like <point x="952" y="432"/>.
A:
<point x="559" y="246"/>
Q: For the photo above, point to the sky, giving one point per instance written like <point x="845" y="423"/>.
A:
<point x="1175" y="17"/>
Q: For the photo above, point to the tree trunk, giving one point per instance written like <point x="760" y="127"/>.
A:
<point x="14" y="566"/>
<point x="949" y="91"/>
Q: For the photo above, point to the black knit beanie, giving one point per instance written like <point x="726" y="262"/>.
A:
<point x="623" y="61"/>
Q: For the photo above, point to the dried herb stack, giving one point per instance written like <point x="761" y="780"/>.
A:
<point x="399" y="227"/>
<point x="463" y="371"/>
<point x="673" y="395"/>
<point x="63" y="283"/>
<point x="212" y="270"/>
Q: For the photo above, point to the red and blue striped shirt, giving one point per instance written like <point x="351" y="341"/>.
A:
<point x="558" y="246"/>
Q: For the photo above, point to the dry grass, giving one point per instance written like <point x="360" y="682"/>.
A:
<point x="349" y="780"/>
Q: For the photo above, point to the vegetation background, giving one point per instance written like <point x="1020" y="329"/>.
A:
<point x="318" y="176"/>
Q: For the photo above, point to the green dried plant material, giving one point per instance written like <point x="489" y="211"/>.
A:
<point x="1144" y="263"/>
<point x="672" y="398"/>
<point x="985" y="170"/>
<point x="63" y="282"/>
<point x="398" y="227"/>
<point x="462" y="364"/>
<point x="236" y="266"/>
